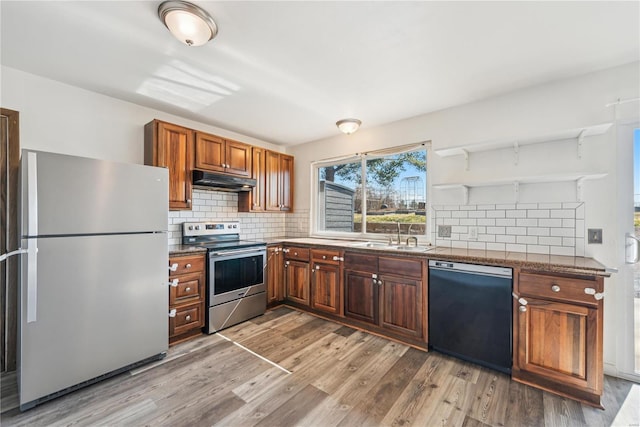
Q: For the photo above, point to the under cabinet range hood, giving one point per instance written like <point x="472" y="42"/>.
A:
<point x="221" y="182"/>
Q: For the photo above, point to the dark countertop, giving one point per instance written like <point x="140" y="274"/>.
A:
<point x="537" y="262"/>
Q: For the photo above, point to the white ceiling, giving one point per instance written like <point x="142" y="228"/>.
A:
<point x="285" y="72"/>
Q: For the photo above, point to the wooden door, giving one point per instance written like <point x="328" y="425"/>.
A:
<point x="286" y="183"/>
<point x="361" y="296"/>
<point x="210" y="153"/>
<point x="171" y="146"/>
<point x="296" y="280"/>
<point x="401" y="305"/>
<point x="559" y="342"/>
<point x="272" y="181"/>
<point x="237" y="158"/>
<point x="325" y="287"/>
<point x="275" y="279"/>
<point x="9" y="165"/>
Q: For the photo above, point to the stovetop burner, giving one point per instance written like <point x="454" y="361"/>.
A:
<point x="215" y="235"/>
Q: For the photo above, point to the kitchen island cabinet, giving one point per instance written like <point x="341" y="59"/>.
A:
<point x="186" y="297"/>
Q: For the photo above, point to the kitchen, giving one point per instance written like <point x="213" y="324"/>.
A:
<point x="60" y="112"/>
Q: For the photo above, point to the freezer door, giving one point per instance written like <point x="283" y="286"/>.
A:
<point x="68" y="195"/>
<point x="100" y="304"/>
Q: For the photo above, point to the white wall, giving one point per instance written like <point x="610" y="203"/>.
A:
<point x="564" y="104"/>
<point x="65" y="119"/>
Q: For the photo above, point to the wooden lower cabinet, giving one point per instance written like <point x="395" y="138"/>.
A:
<point x="361" y="296"/>
<point x="400" y="307"/>
<point x="186" y="297"/>
<point x="296" y="280"/>
<point x="275" y="275"/>
<point x="558" y="335"/>
<point x="326" y="288"/>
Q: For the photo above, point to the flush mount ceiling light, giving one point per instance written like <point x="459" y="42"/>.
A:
<point x="189" y="23"/>
<point x="348" y="126"/>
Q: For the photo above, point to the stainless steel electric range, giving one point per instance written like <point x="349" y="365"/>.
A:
<point x="235" y="272"/>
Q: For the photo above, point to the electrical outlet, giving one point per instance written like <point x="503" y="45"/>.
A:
<point x="473" y="233"/>
<point x="594" y="235"/>
<point x="444" y="231"/>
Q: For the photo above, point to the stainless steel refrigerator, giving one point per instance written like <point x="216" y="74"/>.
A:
<point x="93" y="291"/>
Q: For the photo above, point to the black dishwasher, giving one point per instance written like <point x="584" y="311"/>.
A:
<point x="470" y="312"/>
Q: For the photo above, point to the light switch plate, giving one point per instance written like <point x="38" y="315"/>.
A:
<point x="594" y="235"/>
<point x="444" y="231"/>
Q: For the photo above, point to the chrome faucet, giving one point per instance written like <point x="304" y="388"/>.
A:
<point x="413" y="239"/>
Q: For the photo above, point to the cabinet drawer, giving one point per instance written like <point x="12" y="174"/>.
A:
<point x="401" y="266"/>
<point x="187" y="317"/>
<point x="187" y="264"/>
<point x="300" y="254"/>
<point x="326" y="256"/>
<point x="188" y="288"/>
<point x="361" y="262"/>
<point x="559" y="288"/>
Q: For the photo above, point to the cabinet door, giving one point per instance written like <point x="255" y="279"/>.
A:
<point x="237" y="158"/>
<point x="286" y="183"/>
<point x="275" y="279"/>
<point x="258" y="173"/>
<point x="561" y="343"/>
<point x="174" y="150"/>
<point x="361" y="296"/>
<point x="297" y="281"/>
<point x="272" y="181"/>
<point x="210" y="152"/>
<point x="401" y="305"/>
<point x="325" y="287"/>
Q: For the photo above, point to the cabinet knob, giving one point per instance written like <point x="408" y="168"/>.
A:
<point x="324" y="257"/>
<point x="295" y="253"/>
<point x="555" y="288"/>
<point x="522" y="308"/>
<point x="187" y="266"/>
<point x="188" y="200"/>
<point x="188" y="289"/>
<point x="187" y="318"/>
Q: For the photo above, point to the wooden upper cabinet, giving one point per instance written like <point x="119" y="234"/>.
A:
<point x="278" y="182"/>
<point x="210" y="153"/>
<point x="216" y="154"/>
<point x="254" y="200"/>
<point x="171" y="146"/>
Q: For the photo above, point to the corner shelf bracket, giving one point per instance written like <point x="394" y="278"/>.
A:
<point x="466" y="159"/>
<point x="580" y="142"/>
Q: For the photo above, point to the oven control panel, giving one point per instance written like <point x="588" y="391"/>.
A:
<point x="210" y="228"/>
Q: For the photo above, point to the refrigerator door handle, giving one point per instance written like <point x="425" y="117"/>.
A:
<point x="32" y="197"/>
<point x="32" y="279"/>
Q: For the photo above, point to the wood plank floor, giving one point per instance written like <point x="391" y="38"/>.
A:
<point x="305" y="371"/>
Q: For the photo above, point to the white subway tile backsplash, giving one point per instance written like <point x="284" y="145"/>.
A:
<point x="516" y="214"/>
<point x="559" y="250"/>
<point x="486" y="237"/>
<point x="527" y="222"/>
<point x="477" y="245"/>
<point x="505" y="207"/>
<point x="468" y="208"/>
<point x="563" y="213"/>
<point x="459" y="244"/>
<point x="459" y="229"/>
<point x="451" y="221"/>
<point x="527" y="206"/>
<point x="580" y="232"/>
<point x="496" y="214"/>
<point x="496" y="247"/>
<point x="538" y="249"/>
<point x="477" y="214"/>
<point x="486" y="221"/>
<point x="486" y="207"/>
<point x="459" y="214"/>
<point x="496" y="230"/>
<point x="518" y="231"/>
<point x="562" y="232"/>
<point x="546" y="222"/>
<point x="571" y="205"/>
<point x="444" y="214"/>
<point x="551" y="241"/>
<point x="580" y="211"/>
<point x="527" y="240"/>
<point x="549" y="205"/>
<point x="568" y="223"/>
<point x="538" y="231"/>
<point x="506" y="239"/>
<point x="508" y="222"/>
<point x="568" y="241"/>
<point x="466" y="221"/>
<point x="516" y="248"/>
<point x="538" y="213"/>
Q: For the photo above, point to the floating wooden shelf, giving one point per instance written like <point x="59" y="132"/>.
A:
<point x="578" y="133"/>
<point x="517" y="181"/>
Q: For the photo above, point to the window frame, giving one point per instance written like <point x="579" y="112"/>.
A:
<point x="362" y="158"/>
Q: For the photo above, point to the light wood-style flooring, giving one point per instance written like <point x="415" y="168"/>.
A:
<point x="305" y="371"/>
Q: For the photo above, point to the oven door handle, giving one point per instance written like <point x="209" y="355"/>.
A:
<point x="239" y="252"/>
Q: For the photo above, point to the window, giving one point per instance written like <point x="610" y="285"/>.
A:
<point x="373" y="193"/>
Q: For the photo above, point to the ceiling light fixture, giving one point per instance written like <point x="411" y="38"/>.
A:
<point x="189" y="23"/>
<point x="348" y="126"/>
